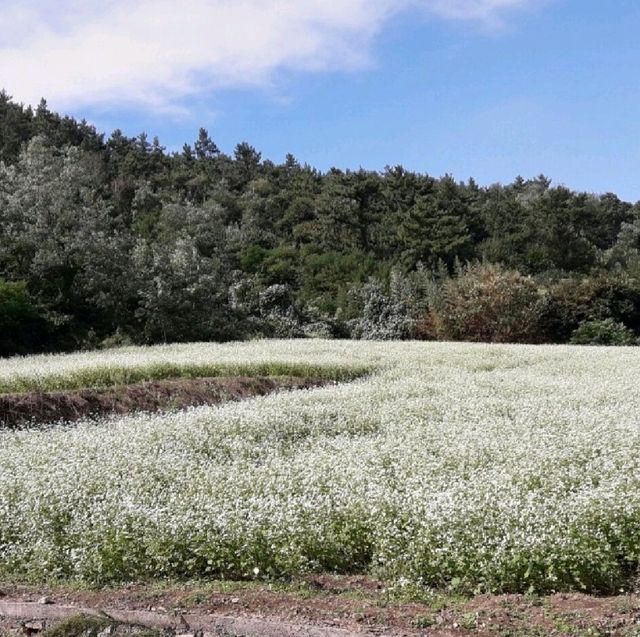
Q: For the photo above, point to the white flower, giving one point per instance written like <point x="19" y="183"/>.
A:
<point x="491" y="467"/>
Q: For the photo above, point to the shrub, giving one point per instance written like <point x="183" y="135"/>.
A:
<point x="572" y="302"/>
<point x="606" y="332"/>
<point x="385" y="315"/>
<point x="279" y="313"/>
<point x="487" y="303"/>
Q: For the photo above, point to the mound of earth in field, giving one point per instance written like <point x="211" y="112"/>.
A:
<point x="17" y="410"/>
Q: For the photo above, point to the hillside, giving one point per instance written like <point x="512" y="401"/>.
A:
<point x="115" y="240"/>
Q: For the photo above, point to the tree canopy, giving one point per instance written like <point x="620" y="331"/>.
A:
<point x="108" y="240"/>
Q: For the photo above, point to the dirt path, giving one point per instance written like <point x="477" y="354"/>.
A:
<point x="37" y="617"/>
<point x="322" y="606"/>
<point x="40" y="407"/>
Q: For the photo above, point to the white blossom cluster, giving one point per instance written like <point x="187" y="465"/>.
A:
<point x="475" y="467"/>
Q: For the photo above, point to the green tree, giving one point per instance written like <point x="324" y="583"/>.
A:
<point x="435" y="228"/>
<point x="60" y="236"/>
<point x="205" y="148"/>
<point x="22" y="328"/>
<point x="182" y="296"/>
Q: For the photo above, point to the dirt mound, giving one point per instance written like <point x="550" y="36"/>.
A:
<point x="17" y="410"/>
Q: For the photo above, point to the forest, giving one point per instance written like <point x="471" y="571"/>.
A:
<point x="114" y="241"/>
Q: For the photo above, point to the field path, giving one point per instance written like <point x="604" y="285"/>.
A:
<point x="331" y="607"/>
<point x="40" y="615"/>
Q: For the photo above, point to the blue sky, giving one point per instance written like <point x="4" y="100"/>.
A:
<point x="483" y="88"/>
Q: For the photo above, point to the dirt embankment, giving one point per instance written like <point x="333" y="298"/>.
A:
<point x="17" y="410"/>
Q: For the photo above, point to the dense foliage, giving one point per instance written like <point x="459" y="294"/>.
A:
<point x="106" y="241"/>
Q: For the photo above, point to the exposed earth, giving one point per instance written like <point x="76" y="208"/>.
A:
<point x="26" y="409"/>
<point x="318" y="606"/>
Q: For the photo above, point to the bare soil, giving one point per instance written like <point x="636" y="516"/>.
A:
<point x="18" y="410"/>
<point x="324" y="606"/>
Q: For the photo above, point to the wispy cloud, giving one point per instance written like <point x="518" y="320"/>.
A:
<point x="489" y="12"/>
<point x="155" y="54"/>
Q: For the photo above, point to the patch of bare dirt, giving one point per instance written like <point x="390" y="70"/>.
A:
<point x="18" y="410"/>
<point x="330" y="606"/>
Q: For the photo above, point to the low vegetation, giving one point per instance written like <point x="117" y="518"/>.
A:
<point x="89" y="626"/>
<point x="127" y="366"/>
<point x="458" y="467"/>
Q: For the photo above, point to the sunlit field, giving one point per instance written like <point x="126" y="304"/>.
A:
<point x="463" y="467"/>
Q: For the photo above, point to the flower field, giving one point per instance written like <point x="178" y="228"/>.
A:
<point x="468" y="467"/>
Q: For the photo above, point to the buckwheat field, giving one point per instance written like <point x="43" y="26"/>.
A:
<point x="466" y="467"/>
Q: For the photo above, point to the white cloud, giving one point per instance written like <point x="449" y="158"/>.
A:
<point x="156" y="53"/>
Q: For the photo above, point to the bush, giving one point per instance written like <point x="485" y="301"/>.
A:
<point x="279" y="313"/>
<point x="606" y="332"/>
<point x="571" y="302"/>
<point x="487" y="303"/>
<point x="385" y="315"/>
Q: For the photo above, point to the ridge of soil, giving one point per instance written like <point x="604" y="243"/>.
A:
<point x="325" y="606"/>
<point x="28" y="409"/>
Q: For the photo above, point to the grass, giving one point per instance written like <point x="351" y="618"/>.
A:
<point x="90" y="626"/>
<point x="109" y="376"/>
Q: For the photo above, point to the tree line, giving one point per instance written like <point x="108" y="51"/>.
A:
<point x="107" y="241"/>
